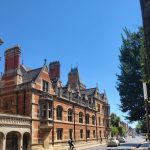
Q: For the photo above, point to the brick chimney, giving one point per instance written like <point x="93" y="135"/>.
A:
<point x="12" y="59"/>
<point x="74" y="80"/>
<point x="73" y="76"/>
<point x="54" y="70"/>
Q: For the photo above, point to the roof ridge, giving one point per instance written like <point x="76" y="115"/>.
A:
<point x="90" y="88"/>
<point x="34" y="69"/>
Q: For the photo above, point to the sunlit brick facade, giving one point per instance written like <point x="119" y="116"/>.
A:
<point x="38" y="112"/>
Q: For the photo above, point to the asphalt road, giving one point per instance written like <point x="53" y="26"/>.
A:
<point x="130" y="144"/>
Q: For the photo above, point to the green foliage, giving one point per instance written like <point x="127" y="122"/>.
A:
<point x="132" y="66"/>
<point x="121" y="131"/>
<point x="114" y="120"/>
<point x="115" y="126"/>
<point x="114" y="131"/>
<point x="141" y="126"/>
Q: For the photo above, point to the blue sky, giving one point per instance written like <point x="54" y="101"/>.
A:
<point x="83" y="33"/>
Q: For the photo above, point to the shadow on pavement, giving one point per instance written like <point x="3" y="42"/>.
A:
<point x="129" y="144"/>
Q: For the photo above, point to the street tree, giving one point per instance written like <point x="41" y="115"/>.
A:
<point x="121" y="131"/>
<point x="114" y="131"/>
<point x="115" y="120"/>
<point x="141" y="126"/>
<point x="129" y="82"/>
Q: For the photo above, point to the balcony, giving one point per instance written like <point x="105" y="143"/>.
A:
<point x="14" y="120"/>
<point x="46" y="97"/>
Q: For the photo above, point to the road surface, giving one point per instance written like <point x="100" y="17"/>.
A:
<point x="131" y="143"/>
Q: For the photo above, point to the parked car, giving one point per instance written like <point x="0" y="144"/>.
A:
<point x="113" y="142"/>
<point x="122" y="140"/>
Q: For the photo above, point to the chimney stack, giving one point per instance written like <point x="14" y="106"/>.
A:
<point x="12" y="59"/>
<point x="54" y="70"/>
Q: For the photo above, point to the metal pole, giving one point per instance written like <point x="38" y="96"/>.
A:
<point x="146" y="107"/>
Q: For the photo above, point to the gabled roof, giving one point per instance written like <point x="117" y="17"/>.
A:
<point x="90" y="91"/>
<point x="31" y="75"/>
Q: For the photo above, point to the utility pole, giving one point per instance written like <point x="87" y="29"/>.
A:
<point x="145" y="8"/>
<point x="146" y="108"/>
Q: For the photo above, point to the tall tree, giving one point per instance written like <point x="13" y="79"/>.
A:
<point x="130" y="78"/>
<point x="141" y="126"/>
<point x="115" y="120"/>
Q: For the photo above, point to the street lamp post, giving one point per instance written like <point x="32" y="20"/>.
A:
<point x="146" y="106"/>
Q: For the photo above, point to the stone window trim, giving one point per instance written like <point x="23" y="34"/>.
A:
<point x="46" y="110"/>
<point x="70" y="133"/>
<point x="98" y="107"/>
<point x="70" y="115"/>
<point x="80" y="117"/>
<point x="88" y="134"/>
<point x="81" y="133"/>
<point x="59" y="113"/>
<point x="87" y="118"/>
<point x="99" y="120"/>
<point x="59" y="134"/>
<point x="45" y="86"/>
<point x="94" y="134"/>
<point x="93" y="120"/>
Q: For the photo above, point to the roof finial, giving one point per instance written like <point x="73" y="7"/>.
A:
<point x="45" y="61"/>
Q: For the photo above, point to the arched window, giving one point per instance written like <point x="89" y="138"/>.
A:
<point x="80" y="117"/>
<point x="87" y="118"/>
<point x="59" y="112"/>
<point x="70" y="115"/>
<point x="93" y="120"/>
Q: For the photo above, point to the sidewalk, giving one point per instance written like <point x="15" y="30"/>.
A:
<point x="78" y="146"/>
<point x="88" y="145"/>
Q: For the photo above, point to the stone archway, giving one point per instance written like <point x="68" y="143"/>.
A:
<point x="26" y="141"/>
<point x="1" y="140"/>
<point x="13" y="141"/>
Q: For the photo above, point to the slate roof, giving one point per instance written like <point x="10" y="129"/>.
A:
<point x="90" y="91"/>
<point x="31" y="75"/>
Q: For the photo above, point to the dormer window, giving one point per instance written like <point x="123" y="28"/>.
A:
<point x="45" y="86"/>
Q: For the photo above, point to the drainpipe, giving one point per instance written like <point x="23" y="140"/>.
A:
<point x="74" y="123"/>
<point x="24" y="102"/>
<point x="96" y="126"/>
<point x="85" y="124"/>
<point x="53" y="125"/>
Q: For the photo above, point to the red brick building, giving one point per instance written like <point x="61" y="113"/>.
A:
<point x="37" y="111"/>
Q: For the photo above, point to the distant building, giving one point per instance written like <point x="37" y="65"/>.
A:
<point x="37" y="111"/>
